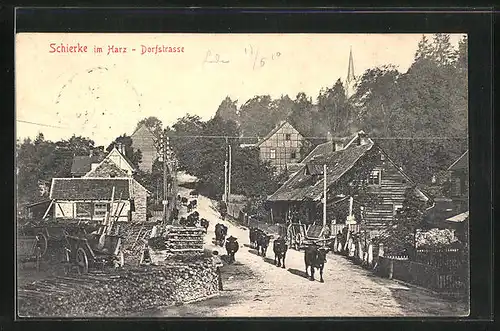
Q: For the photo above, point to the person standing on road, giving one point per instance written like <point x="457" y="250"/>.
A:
<point x="217" y="264"/>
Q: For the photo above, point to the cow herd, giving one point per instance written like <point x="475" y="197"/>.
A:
<point x="314" y="256"/>
<point x="193" y="218"/>
<point x="260" y="241"/>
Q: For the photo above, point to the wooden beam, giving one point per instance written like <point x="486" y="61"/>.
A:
<point x="48" y="209"/>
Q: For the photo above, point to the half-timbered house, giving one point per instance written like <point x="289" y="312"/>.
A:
<point x="363" y="186"/>
<point x="124" y="199"/>
<point x="281" y="146"/>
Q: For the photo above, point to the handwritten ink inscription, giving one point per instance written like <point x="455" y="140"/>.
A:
<point x="258" y="60"/>
<point x="216" y="58"/>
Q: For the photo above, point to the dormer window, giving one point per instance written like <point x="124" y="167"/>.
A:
<point x="288" y="137"/>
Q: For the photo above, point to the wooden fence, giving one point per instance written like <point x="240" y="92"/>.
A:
<point x="441" y="270"/>
<point x="336" y="228"/>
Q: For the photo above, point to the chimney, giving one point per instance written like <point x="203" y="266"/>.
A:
<point x="339" y="145"/>
<point x="329" y="137"/>
<point x="362" y="138"/>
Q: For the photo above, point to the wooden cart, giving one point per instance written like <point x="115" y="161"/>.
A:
<point x="84" y="252"/>
<point x="30" y="249"/>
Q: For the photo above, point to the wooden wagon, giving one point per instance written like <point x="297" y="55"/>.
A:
<point x="30" y="250"/>
<point x="92" y="251"/>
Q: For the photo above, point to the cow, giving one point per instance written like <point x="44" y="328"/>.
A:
<point x="232" y="247"/>
<point x="254" y="234"/>
<point x="204" y="223"/>
<point x="220" y="234"/>
<point x="279" y="247"/>
<point x="262" y="243"/>
<point x="315" y="257"/>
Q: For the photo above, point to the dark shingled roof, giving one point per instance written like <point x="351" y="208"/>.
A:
<point x="82" y="164"/>
<point x="306" y="186"/>
<point x="89" y="188"/>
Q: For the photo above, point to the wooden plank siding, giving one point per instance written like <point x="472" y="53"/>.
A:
<point x="391" y="193"/>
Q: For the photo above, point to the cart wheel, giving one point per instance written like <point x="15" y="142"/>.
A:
<point x="67" y="261"/>
<point x="82" y="261"/>
<point x="38" y="258"/>
<point x="42" y="243"/>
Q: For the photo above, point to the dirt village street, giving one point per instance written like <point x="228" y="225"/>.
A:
<point x="255" y="287"/>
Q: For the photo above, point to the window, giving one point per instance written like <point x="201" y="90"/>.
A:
<point x="83" y="209"/>
<point x="294" y="155"/>
<point x="100" y="209"/>
<point x="288" y="137"/>
<point x="397" y="208"/>
<point x="272" y="154"/>
<point x="374" y="178"/>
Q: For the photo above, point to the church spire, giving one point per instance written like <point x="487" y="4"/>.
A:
<point x="350" y="76"/>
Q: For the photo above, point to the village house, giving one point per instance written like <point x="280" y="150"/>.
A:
<point x="349" y="166"/>
<point x="91" y="199"/>
<point x="88" y="195"/>
<point x="281" y="146"/>
<point x="452" y="212"/>
<point x="115" y="163"/>
<point x="145" y="141"/>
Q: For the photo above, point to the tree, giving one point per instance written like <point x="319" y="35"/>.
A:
<point x="402" y="232"/>
<point x="334" y="108"/>
<point x="301" y="117"/>
<point x="424" y="50"/>
<point x="153" y="124"/>
<point x="376" y="99"/>
<point x="255" y="117"/>
<point x="228" y="110"/>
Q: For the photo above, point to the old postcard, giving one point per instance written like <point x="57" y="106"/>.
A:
<point x="242" y="175"/>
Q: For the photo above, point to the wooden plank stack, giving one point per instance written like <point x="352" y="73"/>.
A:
<point x="184" y="239"/>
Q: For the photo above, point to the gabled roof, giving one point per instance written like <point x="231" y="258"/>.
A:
<point x="461" y="163"/>
<point x="143" y="126"/>
<point x="94" y="188"/>
<point x="273" y="131"/>
<point x="115" y="150"/>
<point x="304" y="186"/>
<point x="328" y="147"/>
<point x="89" y="188"/>
<point x="82" y="164"/>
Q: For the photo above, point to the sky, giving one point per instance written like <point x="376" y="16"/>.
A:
<point x="103" y="95"/>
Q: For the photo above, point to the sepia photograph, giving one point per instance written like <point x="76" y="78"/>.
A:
<point x="241" y="175"/>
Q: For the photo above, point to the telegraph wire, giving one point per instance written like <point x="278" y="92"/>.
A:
<point x="41" y="124"/>
<point x="258" y="137"/>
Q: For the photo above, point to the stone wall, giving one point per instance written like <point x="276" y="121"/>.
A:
<point x="119" y="293"/>
<point x="140" y="202"/>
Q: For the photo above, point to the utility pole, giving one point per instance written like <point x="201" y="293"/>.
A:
<point x="324" y="196"/>
<point x="229" y="177"/>
<point x="224" y="197"/>
<point x="165" y="175"/>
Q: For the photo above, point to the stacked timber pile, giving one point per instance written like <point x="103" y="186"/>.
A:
<point x="131" y="290"/>
<point x="184" y="239"/>
<point x="134" y="235"/>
